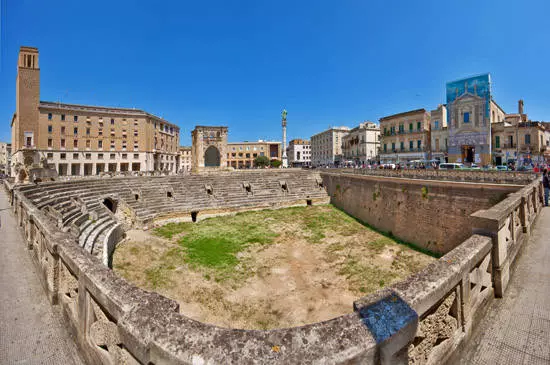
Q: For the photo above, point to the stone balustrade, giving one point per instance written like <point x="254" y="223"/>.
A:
<point x="509" y="224"/>
<point x="500" y="177"/>
<point x="424" y="319"/>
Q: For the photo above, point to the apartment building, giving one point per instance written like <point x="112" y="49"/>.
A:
<point x="326" y="147"/>
<point x="299" y="153"/>
<point x="185" y="159"/>
<point x="362" y="143"/>
<point x="439" y="134"/>
<point x="82" y="140"/>
<point x="405" y="137"/>
<point x="5" y="158"/>
<point x="241" y="155"/>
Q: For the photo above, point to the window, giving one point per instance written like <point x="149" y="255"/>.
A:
<point x="124" y="155"/>
<point x="87" y="131"/>
<point x="410" y="126"/>
<point x="62" y="117"/>
<point x="100" y="132"/>
<point x="49" y="116"/>
<point x="100" y="144"/>
<point x="419" y="144"/>
<point x="497" y="141"/>
<point x="101" y="123"/>
<point x="100" y="156"/>
<point x="75" y="143"/>
<point x="88" y="156"/>
<point x="50" y="142"/>
<point x="62" y="156"/>
<point x="50" y="129"/>
<point x="62" y="143"/>
<point x="87" y="143"/>
<point x="466" y="117"/>
<point x="50" y="155"/>
<point x="527" y="139"/>
<point x="112" y="121"/>
<point x="136" y="156"/>
<point x="411" y="145"/>
<point x="75" y="131"/>
<point x="393" y="146"/>
<point x="135" y="133"/>
<point x="112" y="156"/>
<point x="402" y="146"/>
<point x="418" y="126"/>
<point x="75" y="156"/>
<point x="76" y="118"/>
<point x="62" y="130"/>
<point x="436" y="124"/>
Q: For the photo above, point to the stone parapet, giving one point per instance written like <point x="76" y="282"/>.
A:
<point x="423" y="319"/>
<point x="509" y="224"/>
<point x="499" y="177"/>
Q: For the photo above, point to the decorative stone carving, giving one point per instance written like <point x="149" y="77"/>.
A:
<point x="434" y="330"/>
<point x="480" y="281"/>
<point x="68" y="290"/>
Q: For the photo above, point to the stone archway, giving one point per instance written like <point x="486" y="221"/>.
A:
<point x="111" y="204"/>
<point x="212" y="157"/>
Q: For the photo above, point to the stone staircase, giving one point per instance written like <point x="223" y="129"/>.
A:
<point x="80" y="202"/>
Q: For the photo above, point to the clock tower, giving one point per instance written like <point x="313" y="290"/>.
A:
<point x="24" y="127"/>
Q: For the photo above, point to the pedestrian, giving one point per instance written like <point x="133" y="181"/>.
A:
<point x="546" y="185"/>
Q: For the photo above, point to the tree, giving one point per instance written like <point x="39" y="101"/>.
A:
<point x="276" y="163"/>
<point x="261" y="161"/>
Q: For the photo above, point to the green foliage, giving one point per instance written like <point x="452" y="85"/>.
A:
<point x="261" y="161"/>
<point x="276" y="163"/>
<point x="424" y="191"/>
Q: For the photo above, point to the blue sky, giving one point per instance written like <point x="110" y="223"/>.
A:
<point x="239" y="63"/>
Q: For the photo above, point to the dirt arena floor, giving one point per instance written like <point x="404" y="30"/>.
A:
<point x="266" y="269"/>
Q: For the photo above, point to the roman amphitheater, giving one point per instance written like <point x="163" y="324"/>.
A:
<point x="277" y="266"/>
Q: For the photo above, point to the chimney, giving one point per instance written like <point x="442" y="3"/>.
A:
<point x="520" y="106"/>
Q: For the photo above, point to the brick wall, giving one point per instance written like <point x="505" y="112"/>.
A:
<point x="434" y="215"/>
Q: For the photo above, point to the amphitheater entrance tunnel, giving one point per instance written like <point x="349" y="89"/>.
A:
<point x="111" y="204"/>
<point x="212" y="157"/>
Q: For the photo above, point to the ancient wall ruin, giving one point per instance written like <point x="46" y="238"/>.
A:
<point x="430" y="214"/>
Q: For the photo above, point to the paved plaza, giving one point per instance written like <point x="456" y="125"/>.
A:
<point x="31" y="330"/>
<point x="516" y="328"/>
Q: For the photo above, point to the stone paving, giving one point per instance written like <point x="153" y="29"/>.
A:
<point x="31" y="330"/>
<point x="516" y="329"/>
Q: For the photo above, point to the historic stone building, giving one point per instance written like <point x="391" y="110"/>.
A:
<point x="242" y="154"/>
<point x="209" y="148"/>
<point x="470" y="113"/>
<point x="519" y="142"/>
<point x="362" y="143"/>
<point x="326" y="147"/>
<point x="405" y="137"/>
<point x="185" y="159"/>
<point x="82" y="140"/>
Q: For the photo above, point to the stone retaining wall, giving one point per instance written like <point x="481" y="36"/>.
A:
<point x="433" y="215"/>
<point x="423" y="319"/>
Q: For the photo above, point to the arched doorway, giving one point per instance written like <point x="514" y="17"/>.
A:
<point x="111" y="204"/>
<point x="212" y="157"/>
